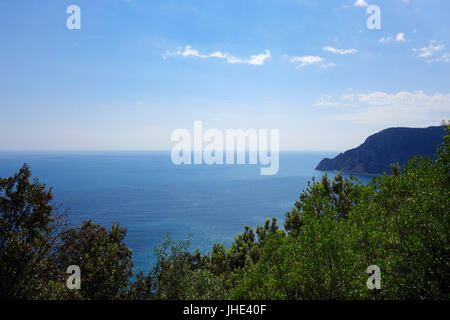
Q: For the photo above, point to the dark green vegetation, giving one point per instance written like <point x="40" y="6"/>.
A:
<point x="393" y="145"/>
<point x="337" y="228"/>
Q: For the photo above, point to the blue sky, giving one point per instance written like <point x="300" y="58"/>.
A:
<point x="139" y="69"/>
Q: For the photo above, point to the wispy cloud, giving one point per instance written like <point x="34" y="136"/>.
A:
<point x="444" y="58"/>
<point x="188" y="51"/>
<point x="405" y="107"/>
<point x="400" y="37"/>
<point x="303" y="61"/>
<point x="385" y="39"/>
<point x="340" y="51"/>
<point x="361" y="3"/>
<point x="432" y="48"/>
<point x="328" y="65"/>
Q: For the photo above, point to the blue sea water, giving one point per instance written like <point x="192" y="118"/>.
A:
<point x="152" y="197"/>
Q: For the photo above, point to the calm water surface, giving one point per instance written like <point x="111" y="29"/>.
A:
<point x="151" y="196"/>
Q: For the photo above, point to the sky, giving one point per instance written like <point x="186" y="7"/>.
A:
<point x="137" y="70"/>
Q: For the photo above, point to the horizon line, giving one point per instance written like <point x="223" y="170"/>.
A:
<point x="147" y="150"/>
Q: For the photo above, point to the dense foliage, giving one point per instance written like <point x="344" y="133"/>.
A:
<point x="337" y="228"/>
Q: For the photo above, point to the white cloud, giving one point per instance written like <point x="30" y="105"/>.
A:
<point x="259" y="58"/>
<point x="361" y="3"/>
<point x="414" y="98"/>
<point x="328" y="65"/>
<point x="443" y="58"/>
<point x="433" y="47"/>
<point x="340" y="51"/>
<point x="327" y="101"/>
<point x="306" y="60"/>
<point x="400" y="37"/>
<point x="401" y="108"/>
<point x="387" y="39"/>
<point x="310" y="60"/>
<point x="189" y="51"/>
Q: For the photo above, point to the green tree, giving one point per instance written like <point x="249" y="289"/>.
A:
<point x="29" y="229"/>
<point x="179" y="275"/>
<point x="338" y="228"/>
<point x="104" y="259"/>
<point x="37" y="246"/>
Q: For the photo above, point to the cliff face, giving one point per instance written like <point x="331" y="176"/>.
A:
<point x="391" y="145"/>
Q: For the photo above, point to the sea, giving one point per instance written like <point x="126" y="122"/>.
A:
<point x="152" y="197"/>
